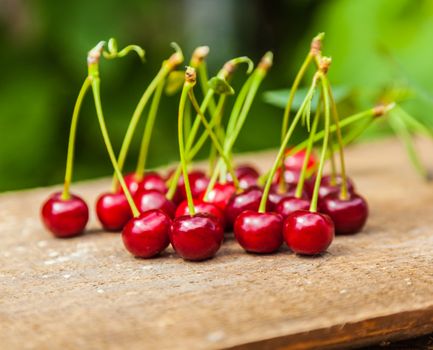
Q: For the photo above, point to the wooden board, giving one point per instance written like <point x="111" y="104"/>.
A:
<point x="89" y="293"/>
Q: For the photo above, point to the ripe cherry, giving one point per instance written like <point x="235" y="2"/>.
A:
<point x="132" y="183"/>
<point x="153" y="199"/>
<point x="296" y="160"/>
<point x="148" y="234"/>
<point x="244" y="170"/>
<point x="259" y="232"/>
<point x="290" y="204"/>
<point x="308" y="233"/>
<point x="153" y="181"/>
<point x="220" y="194"/>
<point x="248" y="180"/>
<point x="198" y="182"/>
<point x="113" y="211"/>
<point x="65" y="217"/>
<point x="196" y="237"/>
<point x="327" y="187"/>
<point x="201" y="207"/>
<point x="247" y="200"/>
<point x="349" y="215"/>
<point x="291" y="176"/>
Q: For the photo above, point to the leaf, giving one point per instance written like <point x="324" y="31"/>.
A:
<point x="279" y="98"/>
<point x="175" y="81"/>
<point x="220" y="86"/>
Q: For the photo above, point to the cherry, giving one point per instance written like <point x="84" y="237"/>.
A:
<point x="153" y="199"/>
<point x="113" y="211"/>
<point x="244" y="170"/>
<point x="220" y="194"/>
<point x="308" y="233"/>
<point x="259" y="232"/>
<point x="349" y="215"/>
<point x="326" y="187"/>
<point x="248" y="180"/>
<point x="65" y="217"/>
<point x="196" y="237"/>
<point x="198" y="182"/>
<point x="201" y="207"/>
<point x="291" y="176"/>
<point x="296" y="160"/>
<point x="247" y="200"/>
<point x="148" y="234"/>
<point x="153" y="181"/>
<point x="132" y="183"/>
<point x="290" y="204"/>
<point x="274" y="198"/>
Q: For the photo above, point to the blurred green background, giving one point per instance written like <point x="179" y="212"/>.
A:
<point x="43" y="63"/>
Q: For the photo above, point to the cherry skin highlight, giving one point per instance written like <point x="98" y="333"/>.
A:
<point x="147" y="235"/>
<point x="259" y="232"/>
<point x="113" y="211"/>
<point x="198" y="182"/>
<point x="65" y="218"/>
<point x="244" y="170"/>
<point x="153" y="181"/>
<point x="220" y="194"/>
<point x="201" y="208"/>
<point x="153" y="199"/>
<point x="196" y="237"/>
<point x="247" y="200"/>
<point x="349" y="215"/>
<point x="132" y="183"/>
<point x="308" y="233"/>
<point x="290" y="204"/>
<point x="248" y="180"/>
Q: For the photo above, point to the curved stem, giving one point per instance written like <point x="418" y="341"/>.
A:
<point x="204" y="79"/>
<point x="315" y="197"/>
<point x="214" y="138"/>
<point x="97" y="98"/>
<point x="183" y="98"/>
<point x="300" y="185"/>
<point x="281" y="151"/>
<point x="144" y="148"/>
<point x="71" y="141"/>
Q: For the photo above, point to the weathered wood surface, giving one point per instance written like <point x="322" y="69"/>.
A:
<point x="89" y="293"/>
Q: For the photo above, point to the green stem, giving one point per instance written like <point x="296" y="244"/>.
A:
<point x="96" y="94"/>
<point x="302" y="176"/>
<point x="204" y="79"/>
<point x="281" y="151"/>
<point x="71" y="143"/>
<point x="187" y="120"/>
<point x="403" y="133"/>
<point x="315" y="197"/>
<point x="144" y="148"/>
<point x="137" y="115"/>
<point x="183" y="98"/>
<point x="214" y="138"/>
<point x="355" y="132"/>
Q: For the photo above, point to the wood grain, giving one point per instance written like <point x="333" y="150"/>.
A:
<point x="88" y="293"/>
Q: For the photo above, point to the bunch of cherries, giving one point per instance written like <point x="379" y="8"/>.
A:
<point x="292" y="202"/>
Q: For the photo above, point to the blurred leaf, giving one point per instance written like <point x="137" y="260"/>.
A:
<point x="279" y="98"/>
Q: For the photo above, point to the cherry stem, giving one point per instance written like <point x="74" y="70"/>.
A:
<point x="302" y="176"/>
<point x="167" y="66"/>
<point x="187" y="86"/>
<point x="71" y="142"/>
<point x="315" y="197"/>
<point x="281" y="151"/>
<point x="214" y="138"/>
<point x="148" y="129"/>
<point x="95" y="80"/>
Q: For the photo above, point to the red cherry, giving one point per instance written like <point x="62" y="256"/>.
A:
<point x="275" y="196"/>
<point x="259" y="232"/>
<point x="113" y="211"/>
<point x="153" y="199"/>
<point x="220" y="194"/>
<point x="244" y="170"/>
<point x="65" y="218"/>
<point x="201" y="208"/>
<point x="247" y="200"/>
<point x="131" y="182"/>
<point x="290" y="204"/>
<point x="296" y="161"/>
<point x="196" y="237"/>
<point x="198" y="182"/>
<point x="308" y="233"/>
<point x="291" y="176"/>
<point x="248" y="180"/>
<point x="147" y="235"/>
<point x="153" y="181"/>
<point x="327" y="188"/>
<point x="349" y="215"/>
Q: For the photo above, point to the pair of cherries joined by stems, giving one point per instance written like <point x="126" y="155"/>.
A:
<point x="189" y="210"/>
